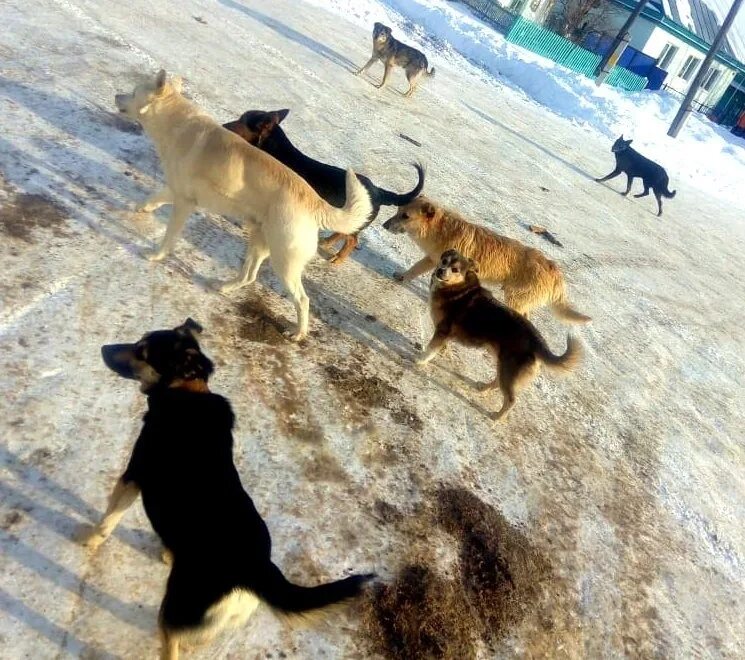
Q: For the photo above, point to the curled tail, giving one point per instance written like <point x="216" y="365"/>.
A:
<point x="355" y="212"/>
<point x="566" y="362"/>
<point x="277" y="592"/>
<point x="388" y="198"/>
<point x="669" y="194"/>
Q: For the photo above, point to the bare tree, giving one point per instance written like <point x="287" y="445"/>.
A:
<point x="574" y="19"/>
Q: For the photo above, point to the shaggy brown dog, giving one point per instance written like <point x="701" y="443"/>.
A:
<point x="465" y="312"/>
<point x="528" y="278"/>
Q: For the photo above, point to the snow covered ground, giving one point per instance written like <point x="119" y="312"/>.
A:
<point x="604" y="518"/>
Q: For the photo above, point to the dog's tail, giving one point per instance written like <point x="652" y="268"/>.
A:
<point x="668" y="193"/>
<point x="355" y="212"/>
<point x="563" y="310"/>
<point x="389" y="198"/>
<point x="288" y="598"/>
<point x="566" y="362"/>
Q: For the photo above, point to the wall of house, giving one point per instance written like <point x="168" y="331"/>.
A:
<point x="650" y="39"/>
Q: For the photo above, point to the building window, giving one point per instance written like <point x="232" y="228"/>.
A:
<point x="689" y="68"/>
<point x="666" y="56"/>
<point x="711" y="79"/>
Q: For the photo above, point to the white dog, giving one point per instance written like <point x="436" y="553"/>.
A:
<point x="206" y="166"/>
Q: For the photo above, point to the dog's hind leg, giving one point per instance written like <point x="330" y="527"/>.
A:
<point x="257" y="251"/>
<point x="350" y="243"/>
<point x="169" y="645"/>
<point x="521" y="300"/>
<point x="513" y="377"/>
<point x="181" y="211"/>
<point x="122" y="497"/>
<point x="645" y="193"/>
<point x="413" y="79"/>
<point x="658" y="197"/>
<point x="156" y="200"/>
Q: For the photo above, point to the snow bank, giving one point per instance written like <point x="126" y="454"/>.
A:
<point x="704" y="155"/>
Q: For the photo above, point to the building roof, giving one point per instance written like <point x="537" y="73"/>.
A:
<point x="699" y="18"/>
<point x="702" y="20"/>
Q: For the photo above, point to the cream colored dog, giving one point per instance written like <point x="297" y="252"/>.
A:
<point x="207" y="166"/>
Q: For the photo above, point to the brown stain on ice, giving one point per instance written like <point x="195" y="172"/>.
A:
<point x="500" y="580"/>
<point x="21" y="214"/>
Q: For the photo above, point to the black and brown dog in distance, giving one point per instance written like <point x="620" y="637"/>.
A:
<point x="463" y="311"/>
<point x="262" y="129"/>
<point x="391" y="52"/>
<point x="182" y="465"/>
<point x="633" y="164"/>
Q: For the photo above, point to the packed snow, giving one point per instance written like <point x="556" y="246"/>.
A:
<point x="623" y="484"/>
<point x="704" y="155"/>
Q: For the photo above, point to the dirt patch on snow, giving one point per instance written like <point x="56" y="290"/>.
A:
<point x="23" y="213"/>
<point x="361" y="392"/>
<point x="258" y="323"/>
<point x="499" y="579"/>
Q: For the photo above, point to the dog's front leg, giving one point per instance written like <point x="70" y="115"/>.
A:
<point x="386" y="74"/>
<point x="367" y="65"/>
<point x="156" y="200"/>
<point x="181" y="211"/>
<point x="613" y="174"/>
<point x="629" y="181"/>
<point x="122" y="497"/>
<point x="436" y="344"/>
<point x="419" y="268"/>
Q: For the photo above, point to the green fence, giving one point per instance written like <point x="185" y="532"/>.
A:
<point x="549" y="44"/>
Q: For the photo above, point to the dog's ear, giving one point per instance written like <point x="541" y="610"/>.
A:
<point x="282" y="115"/>
<point x="190" y="327"/>
<point x="628" y="142"/>
<point x="266" y="125"/>
<point x="473" y="265"/>
<point x="429" y="210"/>
<point x="194" y="365"/>
<point x="160" y="81"/>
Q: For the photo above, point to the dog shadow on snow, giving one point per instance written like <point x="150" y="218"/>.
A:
<point x="527" y="140"/>
<point x="293" y="35"/>
<point x="23" y="506"/>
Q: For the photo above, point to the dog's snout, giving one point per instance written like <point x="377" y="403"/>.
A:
<point x="391" y="225"/>
<point x="118" y="358"/>
<point x="120" y="102"/>
<point x="440" y="272"/>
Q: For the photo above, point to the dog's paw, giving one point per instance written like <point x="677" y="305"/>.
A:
<point x="166" y="556"/>
<point x="227" y="288"/>
<point x="422" y="359"/>
<point x="89" y="537"/>
<point x="296" y="336"/>
<point x="154" y="255"/>
<point x="483" y="387"/>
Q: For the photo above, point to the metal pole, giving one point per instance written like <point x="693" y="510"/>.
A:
<point x="685" y="108"/>
<point x="622" y="36"/>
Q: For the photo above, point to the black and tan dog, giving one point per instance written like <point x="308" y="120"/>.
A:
<point x="182" y="465"/>
<point x="465" y="312"/>
<point x="391" y="52"/>
<point x="262" y="130"/>
<point x="633" y="164"/>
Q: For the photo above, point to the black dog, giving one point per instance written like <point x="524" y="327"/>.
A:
<point x="631" y="162"/>
<point x="262" y="130"/>
<point x="182" y="464"/>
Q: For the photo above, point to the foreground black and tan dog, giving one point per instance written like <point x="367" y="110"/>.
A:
<point x="633" y="164"/>
<point x="391" y="52"/>
<point x="182" y="465"/>
<point x="464" y="311"/>
<point x="262" y="130"/>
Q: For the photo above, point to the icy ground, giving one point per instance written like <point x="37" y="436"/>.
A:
<point x="623" y="483"/>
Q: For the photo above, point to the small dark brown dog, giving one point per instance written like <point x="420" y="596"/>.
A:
<point x="391" y="52"/>
<point x="464" y="311"/>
